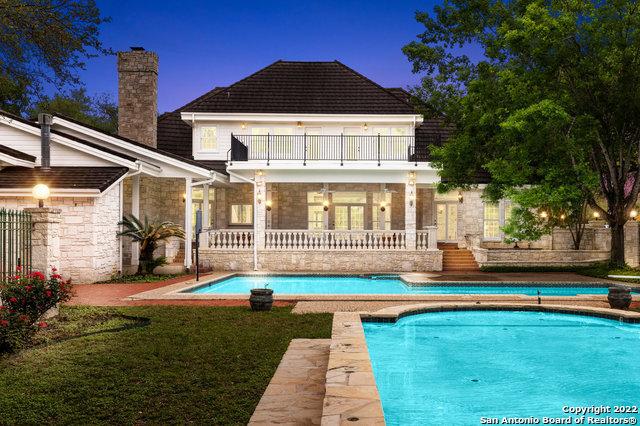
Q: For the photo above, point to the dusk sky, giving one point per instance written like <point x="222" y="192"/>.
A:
<point x="202" y="44"/>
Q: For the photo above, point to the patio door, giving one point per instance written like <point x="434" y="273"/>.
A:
<point x="447" y="221"/>
<point x="349" y="218"/>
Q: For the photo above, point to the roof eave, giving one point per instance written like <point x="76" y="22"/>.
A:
<point x="190" y="117"/>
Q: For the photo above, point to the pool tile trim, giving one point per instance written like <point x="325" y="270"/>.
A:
<point x="352" y="394"/>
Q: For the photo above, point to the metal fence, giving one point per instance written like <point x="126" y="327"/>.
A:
<point x="15" y="242"/>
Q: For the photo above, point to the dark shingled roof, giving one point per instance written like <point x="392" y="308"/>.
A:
<point x="16" y="154"/>
<point x="432" y="132"/>
<point x="304" y="88"/>
<point x="99" y="178"/>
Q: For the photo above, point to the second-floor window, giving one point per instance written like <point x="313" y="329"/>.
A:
<point x="209" y="139"/>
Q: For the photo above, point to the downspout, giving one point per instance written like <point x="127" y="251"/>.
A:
<point x="255" y="215"/>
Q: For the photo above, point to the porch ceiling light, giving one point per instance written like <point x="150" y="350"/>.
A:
<point x="633" y="214"/>
<point x="40" y="192"/>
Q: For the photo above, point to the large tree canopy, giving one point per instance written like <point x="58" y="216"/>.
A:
<point x="555" y="94"/>
<point x="44" y="41"/>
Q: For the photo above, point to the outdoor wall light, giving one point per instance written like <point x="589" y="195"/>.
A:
<point x="260" y="173"/>
<point x="596" y="215"/>
<point x="243" y="125"/>
<point x="460" y="197"/>
<point x="633" y="214"/>
<point x="299" y="124"/>
<point x="325" y="205"/>
<point x="366" y="127"/>
<point x="562" y="216"/>
<point x="269" y="203"/>
<point x="383" y="206"/>
<point x="184" y="197"/>
<point x="544" y="214"/>
<point x="40" y="192"/>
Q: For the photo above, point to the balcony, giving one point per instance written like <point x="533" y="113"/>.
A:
<point x="338" y="148"/>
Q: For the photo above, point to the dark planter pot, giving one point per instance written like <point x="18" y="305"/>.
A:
<point x="619" y="297"/>
<point x="261" y="299"/>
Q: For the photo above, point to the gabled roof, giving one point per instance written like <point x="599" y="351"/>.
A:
<point x="19" y="155"/>
<point x="97" y="178"/>
<point x="304" y="88"/>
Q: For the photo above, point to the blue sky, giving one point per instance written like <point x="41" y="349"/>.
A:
<point x="202" y="44"/>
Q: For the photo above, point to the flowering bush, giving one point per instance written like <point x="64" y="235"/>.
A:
<point x="24" y="301"/>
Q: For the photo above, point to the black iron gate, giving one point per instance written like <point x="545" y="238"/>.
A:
<point x="15" y="242"/>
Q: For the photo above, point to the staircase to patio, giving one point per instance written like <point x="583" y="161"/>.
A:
<point x="456" y="259"/>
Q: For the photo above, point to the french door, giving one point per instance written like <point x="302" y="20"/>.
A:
<point x="447" y="221"/>
<point x="349" y="218"/>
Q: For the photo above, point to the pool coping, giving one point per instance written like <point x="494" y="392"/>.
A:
<point x="351" y="392"/>
<point x="180" y="291"/>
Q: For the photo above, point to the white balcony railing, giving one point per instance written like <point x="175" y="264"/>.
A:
<point x="227" y="239"/>
<point x="290" y="239"/>
<point x="307" y="240"/>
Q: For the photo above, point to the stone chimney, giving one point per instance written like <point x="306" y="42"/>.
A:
<point x="138" y="95"/>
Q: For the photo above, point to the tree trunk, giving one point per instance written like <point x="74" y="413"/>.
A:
<point x="617" y="244"/>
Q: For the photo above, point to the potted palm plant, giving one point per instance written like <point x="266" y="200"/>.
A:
<point x="149" y="234"/>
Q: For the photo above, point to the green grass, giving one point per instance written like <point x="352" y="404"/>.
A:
<point x="166" y="365"/>
<point x="148" y="278"/>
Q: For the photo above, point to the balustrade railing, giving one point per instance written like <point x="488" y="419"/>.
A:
<point x="295" y="239"/>
<point x="307" y="240"/>
<point x="227" y="239"/>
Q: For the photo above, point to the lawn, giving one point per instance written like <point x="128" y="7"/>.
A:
<point x="157" y="365"/>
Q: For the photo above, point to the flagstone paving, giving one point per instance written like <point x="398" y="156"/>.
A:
<point x="297" y="389"/>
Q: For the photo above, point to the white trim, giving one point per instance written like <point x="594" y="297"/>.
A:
<point x="192" y="117"/>
<point x="53" y="192"/>
<point x="136" y="149"/>
<point x="6" y="158"/>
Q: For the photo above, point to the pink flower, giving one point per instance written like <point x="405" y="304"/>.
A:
<point x="42" y="324"/>
<point x="13" y="300"/>
<point x="56" y="276"/>
<point x="48" y="293"/>
<point x="28" y="288"/>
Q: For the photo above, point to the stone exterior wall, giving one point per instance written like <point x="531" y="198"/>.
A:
<point x="324" y="260"/>
<point x="138" y="96"/>
<point x="89" y="246"/>
<point x="525" y="257"/>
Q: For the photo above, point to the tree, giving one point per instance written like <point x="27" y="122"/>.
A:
<point x="149" y="234"/>
<point x="541" y="208"/>
<point x="556" y="89"/>
<point x="97" y="111"/>
<point x="44" y="41"/>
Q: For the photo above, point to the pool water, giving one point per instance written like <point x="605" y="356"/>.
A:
<point x="454" y="368"/>
<point x="379" y="285"/>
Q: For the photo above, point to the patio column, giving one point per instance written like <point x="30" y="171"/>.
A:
<point x="410" y="211"/>
<point x="260" y="211"/>
<point x="188" y="232"/>
<point x="135" y="211"/>
<point x="205" y="206"/>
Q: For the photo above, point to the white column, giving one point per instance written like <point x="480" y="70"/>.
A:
<point x="45" y="239"/>
<point x="410" y="211"/>
<point x="205" y="206"/>
<point x="188" y="232"/>
<point x="120" y="214"/>
<point x="260" y="211"/>
<point x="135" y="211"/>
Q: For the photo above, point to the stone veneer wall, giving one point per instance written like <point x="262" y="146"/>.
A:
<point x="89" y="246"/>
<point x="324" y="260"/>
<point x="524" y="257"/>
<point x="138" y="96"/>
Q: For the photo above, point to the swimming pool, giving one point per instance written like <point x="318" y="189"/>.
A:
<point x="462" y="366"/>
<point x="340" y="285"/>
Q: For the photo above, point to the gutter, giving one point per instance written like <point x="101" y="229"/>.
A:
<point x="255" y="215"/>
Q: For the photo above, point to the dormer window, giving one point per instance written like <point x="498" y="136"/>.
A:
<point x="209" y="139"/>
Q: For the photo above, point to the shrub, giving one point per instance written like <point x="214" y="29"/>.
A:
<point x="25" y="300"/>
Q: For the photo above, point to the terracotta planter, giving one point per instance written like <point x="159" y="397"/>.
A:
<point x="261" y="299"/>
<point x="619" y="297"/>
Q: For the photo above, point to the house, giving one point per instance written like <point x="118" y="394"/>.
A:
<point x="301" y="166"/>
